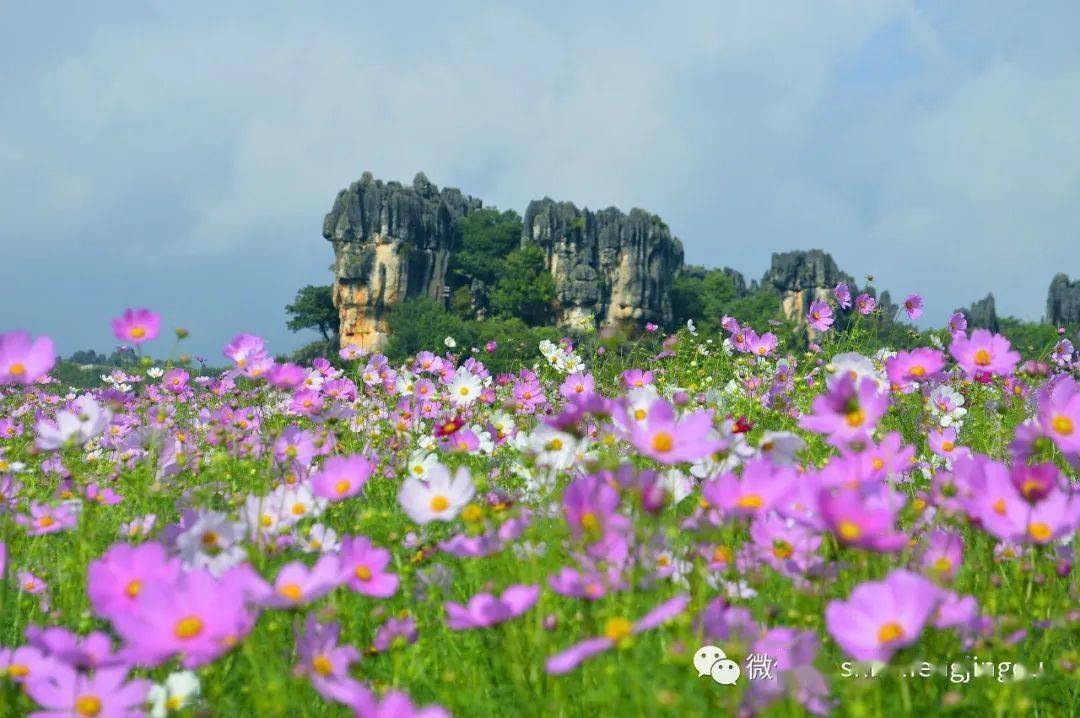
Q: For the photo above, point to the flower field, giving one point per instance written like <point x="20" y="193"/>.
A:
<point x="862" y="532"/>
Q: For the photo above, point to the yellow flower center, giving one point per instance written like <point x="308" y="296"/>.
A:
<point x="917" y="370"/>
<point x="464" y="391"/>
<point x="555" y="444"/>
<point x="1062" y="425"/>
<point x="291" y="591"/>
<point x="174" y="703"/>
<point x="750" y="501"/>
<point x="617" y="628"/>
<point x="266" y="520"/>
<point x="341" y="487"/>
<point x="363" y="573"/>
<point x="721" y="554"/>
<point x="890" y="632"/>
<point x="299" y="509"/>
<point x="849" y="530"/>
<point x="589" y="521"/>
<point x="472" y="513"/>
<point x="639" y="414"/>
<point x="138" y="332"/>
<point x="943" y="565"/>
<point x="855" y="418"/>
<point x="18" y="670"/>
<point x="187" y="628"/>
<point x="133" y="588"/>
<point x="878" y="463"/>
<point x="782" y="549"/>
<point x="46" y="521"/>
<point x="1039" y="531"/>
<point x="210" y="539"/>
<point x="439" y="503"/>
<point x="662" y="441"/>
<point x="999" y="507"/>
<point x="947" y="446"/>
<point x="88" y="706"/>
<point x="16" y="369"/>
<point x="322" y="666"/>
<point x="982" y="357"/>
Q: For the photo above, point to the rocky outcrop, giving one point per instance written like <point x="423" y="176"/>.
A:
<point x="1063" y="301"/>
<point x="609" y="267"/>
<point x="982" y="314"/>
<point x="802" y="277"/>
<point x="391" y="243"/>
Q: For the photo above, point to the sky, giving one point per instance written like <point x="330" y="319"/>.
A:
<point x="182" y="156"/>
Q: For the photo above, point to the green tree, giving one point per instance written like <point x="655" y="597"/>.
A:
<point x="419" y="324"/>
<point x="486" y="237"/>
<point x="313" y="308"/>
<point x="525" y="288"/>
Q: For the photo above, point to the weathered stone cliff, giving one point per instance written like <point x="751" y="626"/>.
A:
<point x="609" y="267"/>
<point x="982" y="314"/>
<point x="802" y="277"/>
<point x="1063" y="301"/>
<point x="391" y="242"/>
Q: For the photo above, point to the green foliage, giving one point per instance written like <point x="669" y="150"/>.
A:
<point x="313" y="308"/>
<point x="1034" y="340"/>
<point x="707" y="297"/>
<point x="525" y="289"/>
<point x="486" y="237"/>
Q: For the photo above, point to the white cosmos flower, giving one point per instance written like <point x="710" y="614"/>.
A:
<point x="450" y="342"/>
<point x="465" y="387"/>
<point x="155" y="372"/>
<point x="79" y="426"/>
<point x="178" y="691"/>
<point x="421" y="463"/>
<point x="440" y="498"/>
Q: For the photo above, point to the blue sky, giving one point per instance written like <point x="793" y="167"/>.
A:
<point x="182" y="157"/>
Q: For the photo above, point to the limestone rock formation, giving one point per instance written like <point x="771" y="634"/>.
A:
<point x="391" y="243"/>
<point x="1063" y="301"/>
<point x="982" y="314"/>
<point x="609" y="267"/>
<point x="802" y="277"/>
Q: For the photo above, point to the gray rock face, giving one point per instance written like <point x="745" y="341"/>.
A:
<point x="1063" y="301"/>
<point x="391" y="243"/>
<point x="983" y="314"/>
<point x="609" y="267"/>
<point x="801" y="278"/>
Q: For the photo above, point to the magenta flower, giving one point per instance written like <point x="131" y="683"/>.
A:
<point x="669" y="440"/>
<point x="197" y="619"/>
<point x="860" y="518"/>
<point x="944" y="554"/>
<point x="395" y="632"/>
<point x="913" y="305"/>
<point x="881" y="617"/>
<point x="848" y="411"/>
<point x="865" y="304"/>
<point x="1059" y="413"/>
<point x="957" y="324"/>
<point x="843" y="295"/>
<point x="820" y="316"/>
<point x="917" y="365"/>
<point x="342" y="477"/>
<point x="1003" y="511"/>
<point x="984" y="354"/>
<point x="45" y="519"/>
<point x="616" y="630"/>
<point x="394" y="704"/>
<point x="24" y="361"/>
<point x="761" y="487"/>
<point x="484" y="610"/>
<point x="136" y="326"/>
<point x="64" y="692"/>
<point x="635" y="378"/>
<point x="363" y="568"/>
<point x="793" y="653"/>
<point x="761" y="345"/>
<point x="116" y="580"/>
<point x="325" y="662"/>
<point x="578" y="385"/>
<point x="590" y="505"/>
<point x="297" y="585"/>
<point x="175" y="380"/>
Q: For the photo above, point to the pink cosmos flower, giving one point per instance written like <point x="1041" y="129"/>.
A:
<point x="616" y="630"/>
<point x="136" y="326"/>
<point x="94" y="650"/>
<point x="116" y="580"/>
<point x="297" y="585"/>
<point x="944" y="554"/>
<point x="64" y="692"/>
<point x="45" y="519"/>
<point x="24" y="663"/>
<point x="198" y="618"/>
<point x="881" y="617"/>
<point x="761" y="345"/>
<point x="1003" y="511"/>
<point x="24" y="361"/>
<point x="175" y="380"/>
<point x="820" y="316"/>
<point x="865" y="304"/>
<point x="957" y="324"/>
<point x="363" y="568"/>
<point x="485" y="610"/>
<point x="984" y="354"/>
<point x="578" y="385"/>
<point x="246" y="350"/>
<point x="591" y="507"/>
<point x="792" y="653"/>
<point x="1059" y="413"/>
<point x="861" y="518"/>
<point x="913" y="305"/>
<point x="635" y="378"/>
<point x="759" y="489"/>
<point x="669" y="440"/>
<point x="917" y="365"/>
<point x="848" y="411"/>
<point x="325" y="662"/>
<point x="843" y="295"/>
<point x="395" y="632"/>
<point x="394" y="704"/>
<point x="342" y="477"/>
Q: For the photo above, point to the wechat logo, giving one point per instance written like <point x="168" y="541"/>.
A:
<point x="712" y="661"/>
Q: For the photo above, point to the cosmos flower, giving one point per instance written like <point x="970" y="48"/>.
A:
<point x="324" y="661"/>
<point x="394" y="704"/>
<point x="179" y="690"/>
<point x="616" y="631"/>
<point x="865" y="304"/>
<point x="485" y="610"/>
<point x="671" y="440"/>
<point x="861" y="518"/>
<point x="136" y="326"/>
<point x="881" y="617"/>
<point x="843" y="295"/>
<point x="63" y="691"/>
<point x="820" y="316"/>
<point x="848" y="411"/>
<point x="116" y="580"/>
<point x="918" y="365"/>
<point x="440" y="498"/>
<point x="297" y="585"/>
<point x="913" y="305"/>
<point x="44" y="519"/>
<point x="984" y="354"/>
<point x="23" y="360"/>
<point x="1059" y="413"/>
<point x="85" y="421"/>
<point x="342" y="477"/>
<point x="760" y="487"/>
<point x="363" y="568"/>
